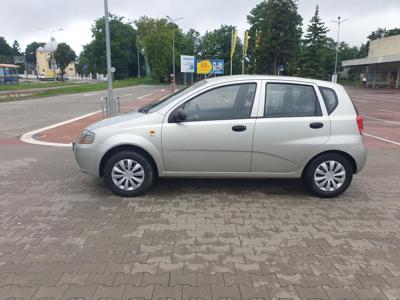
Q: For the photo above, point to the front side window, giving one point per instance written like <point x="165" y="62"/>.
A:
<point x="223" y="103"/>
<point x="291" y="100"/>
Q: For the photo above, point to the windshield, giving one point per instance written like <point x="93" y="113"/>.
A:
<point x="152" y="107"/>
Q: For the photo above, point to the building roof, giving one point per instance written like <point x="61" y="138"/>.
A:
<point x="371" y="60"/>
<point x="51" y="45"/>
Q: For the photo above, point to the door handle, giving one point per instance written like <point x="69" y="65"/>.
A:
<point x="316" y="125"/>
<point x="239" y="128"/>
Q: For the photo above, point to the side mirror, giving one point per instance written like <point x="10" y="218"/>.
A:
<point x="179" y="115"/>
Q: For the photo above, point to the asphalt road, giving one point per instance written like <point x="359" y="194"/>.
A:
<point x="18" y="117"/>
<point x="63" y="235"/>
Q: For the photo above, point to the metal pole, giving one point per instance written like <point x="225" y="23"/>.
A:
<point x="231" y="49"/>
<point x="138" y="58"/>
<point x="173" y="56"/>
<point x="337" y="49"/>
<point x="339" y="22"/>
<point x="111" y="108"/>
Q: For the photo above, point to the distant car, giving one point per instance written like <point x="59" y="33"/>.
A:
<point x="233" y="126"/>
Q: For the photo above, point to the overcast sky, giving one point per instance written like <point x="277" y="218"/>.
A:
<point x="19" y="19"/>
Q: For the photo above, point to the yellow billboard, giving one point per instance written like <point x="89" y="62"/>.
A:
<point x="204" y="67"/>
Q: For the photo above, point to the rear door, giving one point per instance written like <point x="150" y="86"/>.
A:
<point x="292" y="121"/>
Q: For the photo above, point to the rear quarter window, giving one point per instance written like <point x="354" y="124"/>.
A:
<point x="330" y="99"/>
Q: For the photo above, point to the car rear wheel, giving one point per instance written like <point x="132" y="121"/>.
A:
<point x="128" y="173"/>
<point x="328" y="175"/>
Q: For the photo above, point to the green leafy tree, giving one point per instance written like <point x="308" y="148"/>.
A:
<point x="275" y="35"/>
<point x="123" y="48"/>
<point x="64" y="55"/>
<point x="315" y="47"/>
<point x="216" y="44"/>
<point x="155" y="36"/>
<point x="6" y="52"/>
<point x="30" y="52"/>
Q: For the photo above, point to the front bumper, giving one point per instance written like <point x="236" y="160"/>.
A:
<point x="86" y="158"/>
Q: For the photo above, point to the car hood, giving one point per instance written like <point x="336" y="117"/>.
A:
<point x="117" y="119"/>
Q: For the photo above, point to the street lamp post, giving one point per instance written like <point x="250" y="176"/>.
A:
<point x="339" y="22"/>
<point x="173" y="21"/>
<point x="111" y="107"/>
<point x="53" y="60"/>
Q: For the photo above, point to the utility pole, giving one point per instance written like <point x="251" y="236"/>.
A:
<point x="173" y="21"/>
<point x="339" y="22"/>
<point x="111" y="109"/>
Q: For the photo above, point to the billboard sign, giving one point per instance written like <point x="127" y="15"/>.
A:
<point x="19" y="59"/>
<point x="204" y="66"/>
<point x="187" y="64"/>
<point x="217" y="66"/>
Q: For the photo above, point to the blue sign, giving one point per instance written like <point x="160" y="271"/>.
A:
<point x="218" y="66"/>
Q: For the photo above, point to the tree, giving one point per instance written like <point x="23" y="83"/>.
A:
<point x="6" y="52"/>
<point x="276" y="26"/>
<point x="315" y="47"/>
<point x="64" y="55"/>
<point x="217" y="45"/>
<point x="123" y="48"/>
<point x="155" y="37"/>
<point x="30" y="52"/>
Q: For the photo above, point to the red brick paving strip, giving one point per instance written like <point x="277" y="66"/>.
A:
<point x="67" y="133"/>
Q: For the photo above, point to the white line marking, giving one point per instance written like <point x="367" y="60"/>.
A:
<point x="383" y="120"/>
<point x="28" y="137"/>
<point x="391" y="111"/>
<point x="382" y="139"/>
<point x="144" y="96"/>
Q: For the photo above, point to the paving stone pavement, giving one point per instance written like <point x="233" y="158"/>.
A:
<point x="67" y="237"/>
<point x="63" y="235"/>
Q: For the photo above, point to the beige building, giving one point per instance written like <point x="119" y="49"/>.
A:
<point x="46" y="66"/>
<point x="382" y="65"/>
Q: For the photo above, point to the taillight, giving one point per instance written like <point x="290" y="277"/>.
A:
<point x="360" y="123"/>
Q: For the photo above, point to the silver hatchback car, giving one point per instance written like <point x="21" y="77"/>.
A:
<point x="233" y="126"/>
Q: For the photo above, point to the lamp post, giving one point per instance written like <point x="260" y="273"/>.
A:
<point x="173" y="21"/>
<point x="339" y="22"/>
<point x="53" y="61"/>
<point x="111" y="107"/>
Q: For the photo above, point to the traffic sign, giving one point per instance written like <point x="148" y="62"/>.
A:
<point x="204" y="67"/>
<point x="187" y="64"/>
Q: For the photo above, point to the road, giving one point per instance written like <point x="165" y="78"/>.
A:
<point x="18" y="117"/>
<point x="63" y="235"/>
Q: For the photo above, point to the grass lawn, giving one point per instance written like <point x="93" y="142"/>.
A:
<point x="64" y="88"/>
<point x="35" y="85"/>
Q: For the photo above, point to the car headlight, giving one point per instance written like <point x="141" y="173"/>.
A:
<point x="86" y="137"/>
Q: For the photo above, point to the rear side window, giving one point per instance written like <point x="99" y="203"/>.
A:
<point x="291" y="100"/>
<point x="330" y="99"/>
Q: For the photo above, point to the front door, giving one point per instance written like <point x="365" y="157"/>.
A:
<point x="217" y="134"/>
<point x="291" y="126"/>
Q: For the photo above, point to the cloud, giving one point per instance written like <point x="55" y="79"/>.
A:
<point x="23" y="17"/>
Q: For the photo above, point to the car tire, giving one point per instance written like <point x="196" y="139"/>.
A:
<point x="328" y="175"/>
<point x="128" y="166"/>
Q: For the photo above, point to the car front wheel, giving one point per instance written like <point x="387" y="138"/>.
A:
<point x="328" y="175"/>
<point x="128" y="173"/>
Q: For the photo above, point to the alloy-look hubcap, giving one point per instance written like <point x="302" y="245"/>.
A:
<point x="330" y="176"/>
<point x="127" y="174"/>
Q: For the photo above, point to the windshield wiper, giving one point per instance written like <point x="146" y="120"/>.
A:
<point x="146" y="108"/>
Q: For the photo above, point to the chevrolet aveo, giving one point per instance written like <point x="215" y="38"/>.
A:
<point x="233" y="126"/>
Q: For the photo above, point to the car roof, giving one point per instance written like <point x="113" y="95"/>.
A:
<point x="223" y="79"/>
